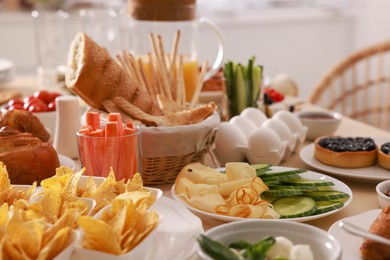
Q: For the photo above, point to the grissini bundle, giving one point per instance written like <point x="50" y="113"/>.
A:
<point x="95" y="76"/>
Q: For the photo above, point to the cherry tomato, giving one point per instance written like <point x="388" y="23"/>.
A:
<point x="54" y="95"/>
<point x="16" y="106"/>
<point x="15" y="101"/>
<point x="28" y="99"/>
<point x="52" y="106"/>
<point x="43" y="95"/>
<point x="38" y="107"/>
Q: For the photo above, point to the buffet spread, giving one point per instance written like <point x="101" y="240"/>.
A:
<point x="145" y="189"/>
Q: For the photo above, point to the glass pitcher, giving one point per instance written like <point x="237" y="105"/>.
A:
<point x="166" y="19"/>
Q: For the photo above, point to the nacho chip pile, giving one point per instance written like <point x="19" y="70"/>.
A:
<point x="25" y="235"/>
<point x="39" y="225"/>
<point x="120" y="228"/>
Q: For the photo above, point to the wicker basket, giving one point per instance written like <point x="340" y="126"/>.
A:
<point x="166" y="150"/>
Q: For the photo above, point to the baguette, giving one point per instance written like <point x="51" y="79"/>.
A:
<point x="95" y="76"/>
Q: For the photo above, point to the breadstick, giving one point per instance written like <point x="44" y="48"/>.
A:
<point x="199" y="85"/>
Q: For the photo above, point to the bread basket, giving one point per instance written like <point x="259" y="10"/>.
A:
<point x="166" y="150"/>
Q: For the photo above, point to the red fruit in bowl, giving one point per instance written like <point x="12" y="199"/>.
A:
<point x="43" y="95"/>
<point x="52" y="106"/>
<point x="15" y="101"/>
<point x="38" y="107"/>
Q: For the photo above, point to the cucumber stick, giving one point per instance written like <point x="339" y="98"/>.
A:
<point x="326" y="206"/>
<point x="327" y="195"/>
<point x="241" y="88"/>
<point x="264" y="175"/>
<point x="257" y="79"/>
<point x="295" y="206"/>
<point x="243" y="85"/>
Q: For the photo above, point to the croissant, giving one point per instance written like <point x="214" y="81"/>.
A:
<point x="371" y="250"/>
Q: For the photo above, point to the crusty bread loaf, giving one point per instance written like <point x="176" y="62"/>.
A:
<point x="95" y="76"/>
<point x="26" y="157"/>
<point x="25" y="122"/>
<point x="347" y="159"/>
<point x="381" y="226"/>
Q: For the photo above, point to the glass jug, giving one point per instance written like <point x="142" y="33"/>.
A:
<point x="165" y="19"/>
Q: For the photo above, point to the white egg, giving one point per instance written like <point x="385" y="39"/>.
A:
<point x="254" y="114"/>
<point x="228" y="137"/>
<point x="244" y="124"/>
<point x="262" y="141"/>
<point x="290" y="119"/>
<point x="280" y="128"/>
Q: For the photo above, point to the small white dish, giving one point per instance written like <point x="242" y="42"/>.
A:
<point x="322" y="245"/>
<point x="381" y="188"/>
<point x="319" y="122"/>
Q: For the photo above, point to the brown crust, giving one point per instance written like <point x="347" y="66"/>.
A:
<point x="383" y="160"/>
<point x="381" y="226"/>
<point x="25" y="122"/>
<point x="344" y="159"/>
<point x="27" y="158"/>
<point x="100" y="77"/>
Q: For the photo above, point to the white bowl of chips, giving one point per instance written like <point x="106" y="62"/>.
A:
<point x="114" y="233"/>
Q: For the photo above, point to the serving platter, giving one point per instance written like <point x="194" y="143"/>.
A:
<point x="367" y="174"/>
<point x="351" y="243"/>
<point x="338" y="185"/>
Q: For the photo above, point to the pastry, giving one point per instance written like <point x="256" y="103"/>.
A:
<point x="25" y="122"/>
<point x="345" y="152"/>
<point x="381" y="226"/>
<point x="26" y="157"/>
<point x="384" y="156"/>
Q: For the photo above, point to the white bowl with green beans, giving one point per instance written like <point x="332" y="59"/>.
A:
<point x="258" y="237"/>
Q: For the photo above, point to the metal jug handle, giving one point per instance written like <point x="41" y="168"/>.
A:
<point x="218" y="61"/>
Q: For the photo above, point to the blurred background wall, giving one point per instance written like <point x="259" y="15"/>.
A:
<point x="302" y="38"/>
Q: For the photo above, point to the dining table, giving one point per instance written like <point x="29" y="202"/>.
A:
<point x="364" y="195"/>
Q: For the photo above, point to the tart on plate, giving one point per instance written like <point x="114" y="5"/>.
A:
<point x="345" y="152"/>
<point x="384" y="156"/>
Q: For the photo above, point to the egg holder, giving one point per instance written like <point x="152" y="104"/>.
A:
<point x="253" y="137"/>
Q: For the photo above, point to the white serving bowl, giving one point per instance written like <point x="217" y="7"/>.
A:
<point x="319" y="122"/>
<point x="323" y="245"/>
<point x="381" y="188"/>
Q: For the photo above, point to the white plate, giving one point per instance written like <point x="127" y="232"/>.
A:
<point x="367" y="174"/>
<point x="338" y="185"/>
<point x="351" y="244"/>
<point x="66" y="161"/>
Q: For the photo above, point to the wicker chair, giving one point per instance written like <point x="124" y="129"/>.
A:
<point x="358" y="86"/>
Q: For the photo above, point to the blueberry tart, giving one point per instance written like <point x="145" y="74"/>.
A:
<point x="384" y="156"/>
<point x="345" y="152"/>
